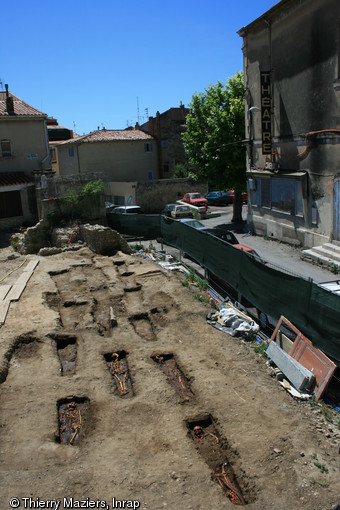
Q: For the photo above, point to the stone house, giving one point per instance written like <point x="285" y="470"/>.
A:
<point x="120" y="157"/>
<point x="167" y="128"/>
<point x="56" y="135"/>
<point x="292" y="92"/>
<point x="24" y="157"/>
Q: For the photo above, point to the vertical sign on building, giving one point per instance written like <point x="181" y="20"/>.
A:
<point x="266" y="117"/>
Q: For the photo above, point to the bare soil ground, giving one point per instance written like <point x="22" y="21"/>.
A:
<point x="78" y="422"/>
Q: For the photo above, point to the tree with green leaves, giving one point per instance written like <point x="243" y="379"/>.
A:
<point x="213" y="139"/>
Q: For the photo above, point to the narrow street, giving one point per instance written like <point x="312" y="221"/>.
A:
<point x="278" y="255"/>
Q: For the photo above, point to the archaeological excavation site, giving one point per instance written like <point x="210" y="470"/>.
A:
<point x="116" y="393"/>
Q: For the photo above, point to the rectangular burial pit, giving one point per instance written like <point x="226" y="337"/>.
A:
<point x="119" y="369"/>
<point x="174" y="375"/>
<point x="216" y="453"/>
<point x="67" y="353"/>
<point x="72" y="414"/>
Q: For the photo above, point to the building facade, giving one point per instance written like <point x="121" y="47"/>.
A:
<point x="24" y="156"/>
<point x="167" y="128"/>
<point x="292" y="93"/>
<point x="56" y="135"/>
<point x="121" y="158"/>
<point x="117" y="155"/>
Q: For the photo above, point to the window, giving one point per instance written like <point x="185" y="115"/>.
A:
<point x="283" y="195"/>
<point x="148" y="147"/>
<point x="53" y="154"/>
<point x="6" y="148"/>
<point x="71" y="152"/>
<point x="164" y="143"/>
<point x="279" y="194"/>
<point x="265" y="192"/>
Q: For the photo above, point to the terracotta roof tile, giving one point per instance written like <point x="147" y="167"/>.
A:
<point x="14" y="178"/>
<point x="20" y="107"/>
<point x="112" y="135"/>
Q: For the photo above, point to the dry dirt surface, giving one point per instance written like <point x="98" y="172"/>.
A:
<point x="114" y="388"/>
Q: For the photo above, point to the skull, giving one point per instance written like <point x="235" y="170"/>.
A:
<point x="198" y="431"/>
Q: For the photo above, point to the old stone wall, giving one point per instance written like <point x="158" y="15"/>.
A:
<point x="40" y="238"/>
<point x="152" y="196"/>
<point x="103" y="240"/>
<point x="32" y="239"/>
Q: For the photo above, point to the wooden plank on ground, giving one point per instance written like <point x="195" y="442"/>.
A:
<point x="19" y="286"/>
<point x="4" y="290"/>
<point x="31" y="266"/>
<point x="4" y="306"/>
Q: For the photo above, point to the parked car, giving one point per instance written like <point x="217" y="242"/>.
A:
<point x="250" y="251"/>
<point x="195" y="199"/>
<point x="181" y="211"/>
<point x="109" y="206"/>
<point x="218" y="198"/>
<point x="225" y="235"/>
<point x="194" y="224"/>
<point x="127" y="209"/>
<point x="168" y="209"/>
<point x="332" y="286"/>
<point x="232" y="194"/>
<point x="177" y="211"/>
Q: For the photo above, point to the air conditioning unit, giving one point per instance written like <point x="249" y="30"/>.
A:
<point x="270" y="166"/>
<point x="251" y="184"/>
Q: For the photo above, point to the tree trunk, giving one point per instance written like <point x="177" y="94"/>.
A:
<point x="237" y="207"/>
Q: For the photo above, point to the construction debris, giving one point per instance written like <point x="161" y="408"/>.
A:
<point x="300" y="377"/>
<point x="304" y="365"/>
<point x="232" y="321"/>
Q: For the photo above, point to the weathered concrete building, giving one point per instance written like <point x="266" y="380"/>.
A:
<point x="24" y="156"/>
<point x="56" y="135"/>
<point x="167" y="128"/>
<point x="292" y="93"/>
<point x="121" y="158"/>
<point x="119" y="155"/>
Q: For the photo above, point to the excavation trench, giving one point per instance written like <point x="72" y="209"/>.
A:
<point x="174" y="375"/>
<point x="72" y="415"/>
<point x="83" y="300"/>
<point x="132" y="286"/>
<point x="67" y="353"/>
<point x="119" y="369"/>
<point x="143" y="326"/>
<point x="216" y="453"/>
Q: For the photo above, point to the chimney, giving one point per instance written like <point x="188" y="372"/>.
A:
<point x="151" y="127"/>
<point x="9" y="102"/>
<point x="158" y="125"/>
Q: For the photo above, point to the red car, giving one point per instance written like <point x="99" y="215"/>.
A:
<point x="232" y="193"/>
<point x="195" y="199"/>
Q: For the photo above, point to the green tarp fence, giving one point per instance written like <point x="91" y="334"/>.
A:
<point x="139" y="225"/>
<point x="312" y="309"/>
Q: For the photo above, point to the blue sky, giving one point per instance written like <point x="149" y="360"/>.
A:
<point x="107" y="63"/>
